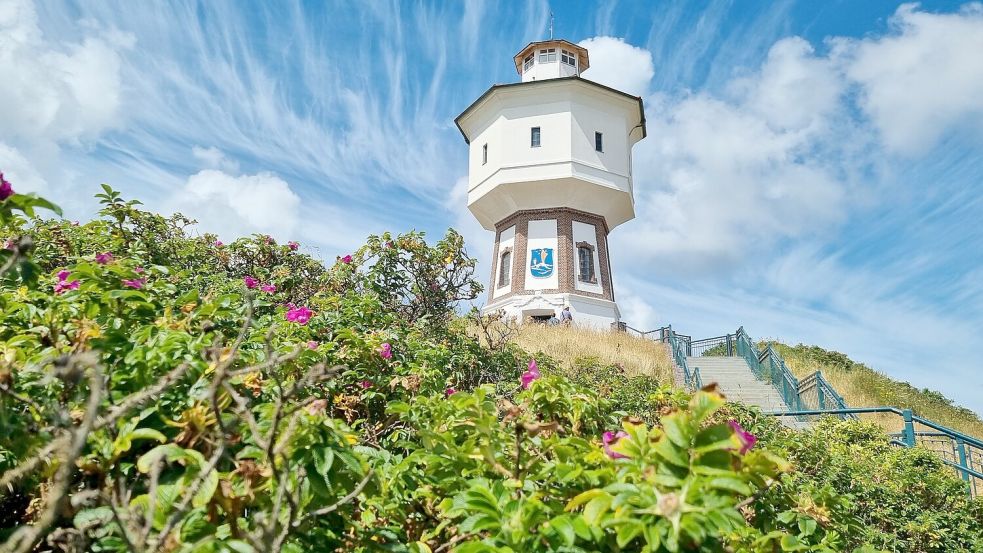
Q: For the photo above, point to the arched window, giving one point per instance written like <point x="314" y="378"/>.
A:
<point x="505" y="268"/>
<point x="585" y="263"/>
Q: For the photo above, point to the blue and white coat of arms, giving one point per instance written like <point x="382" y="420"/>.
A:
<point x="541" y="262"/>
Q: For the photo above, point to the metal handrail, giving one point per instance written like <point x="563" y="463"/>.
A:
<point x="679" y="349"/>
<point x="697" y="379"/>
<point x="963" y="446"/>
<point x="765" y="366"/>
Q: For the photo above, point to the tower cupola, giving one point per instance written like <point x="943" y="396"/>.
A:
<point x="551" y="59"/>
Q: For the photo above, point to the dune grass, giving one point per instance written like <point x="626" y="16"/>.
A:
<point x="859" y="385"/>
<point x="568" y="344"/>
<point x="862" y="386"/>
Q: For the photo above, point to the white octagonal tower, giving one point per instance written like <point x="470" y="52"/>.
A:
<point x="550" y="173"/>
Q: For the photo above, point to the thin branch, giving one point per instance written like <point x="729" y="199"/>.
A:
<point x="334" y="507"/>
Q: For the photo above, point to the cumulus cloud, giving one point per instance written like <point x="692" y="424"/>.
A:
<point x="233" y="206"/>
<point x="924" y="79"/>
<point x="20" y="172"/>
<point x="795" y="89"/>
<point x="720" y="175"/>
<point x="55" y="92"/>
<point x="615" y="63"/>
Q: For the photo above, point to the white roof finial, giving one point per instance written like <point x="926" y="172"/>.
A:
<point x="551" y="24"/>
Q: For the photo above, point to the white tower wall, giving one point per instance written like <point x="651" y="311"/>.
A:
<point x="552" y="201"/>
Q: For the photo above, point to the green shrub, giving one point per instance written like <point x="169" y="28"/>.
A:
<point x="160" y="391"/>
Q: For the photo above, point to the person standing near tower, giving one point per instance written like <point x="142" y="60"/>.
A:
<point x="566" y="317"/>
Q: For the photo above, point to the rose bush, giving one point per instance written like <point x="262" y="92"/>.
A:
<point x="161" y="391"/>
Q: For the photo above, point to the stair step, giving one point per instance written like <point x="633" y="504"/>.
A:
<point x="736" y="381"/>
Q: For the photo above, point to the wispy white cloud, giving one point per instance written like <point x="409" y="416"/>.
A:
<point x="841" y="164"/>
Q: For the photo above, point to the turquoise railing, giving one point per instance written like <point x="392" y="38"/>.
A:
<point x="679" y="348"/>
<point x="697" y="379"/>
<point x="770" y="366"/>
<point x="961" y="452"/>
<point x="812" y="392"/>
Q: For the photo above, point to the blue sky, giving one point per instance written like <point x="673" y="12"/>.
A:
<point x="812" y="170"/>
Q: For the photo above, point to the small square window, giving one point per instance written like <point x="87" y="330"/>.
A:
<point x="568" y="58"/>
<point x="484" y="154"/>
<point x="528" y="62"/>
<point x="534" y="137"/>
<point x="599" y="142"/>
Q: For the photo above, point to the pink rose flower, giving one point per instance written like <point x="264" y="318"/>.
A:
<point x="104" y="258"/>
<point x="63" y="283"/>
<point x="365" y="384"/>
<point x="449" y="392"/>
<point x="746" y="438"/>
<point x="268" y="288"/>
<point x="269" y="239"/>
<point x="611" y="439"/>
<point x="347" y="259"/>
<point x="300" y="315"/>
<point x="250" y="282"/>
<point x="385" y="351"/>
<point x="6" y="189"/>
<point x="530" y="375"/>
<point x="311" y="344"/>
<point x="10" y="244"/>
<point x="218" y="243"/>
<point x="293" y="245"/>
<point x="136" y="283"/>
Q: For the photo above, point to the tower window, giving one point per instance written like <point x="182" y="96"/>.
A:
<point x="568" y="58"/>
<point x="534" y="136"/>
<point x="585" y="262"/>
<point x="484" y="154"/>
<point x="599" y="141"/>
<point x="505" y="268"/>
<point x="547" y="55"/>
<point x="527" y="63"/>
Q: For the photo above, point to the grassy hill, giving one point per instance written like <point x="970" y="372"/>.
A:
<point x="571" y="346"/>
<point x="860" y="385"/>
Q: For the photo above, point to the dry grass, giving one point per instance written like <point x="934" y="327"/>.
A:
<point x="862" y="386"/>
<point x="859" y="385"/>
<point x="567" y="344"/>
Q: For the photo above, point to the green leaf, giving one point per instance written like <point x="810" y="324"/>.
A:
<point x="628" y="532"/>
<point x="207" y="489"/>
<point x="676" y="429"/>
<point x="730" y="483"/>
<point x="596" y="507"/>
<point x="792" y="543"/>
<point x="807" y="527"/>
<point x="563" y="526"/>
<point x="583" y="498"/>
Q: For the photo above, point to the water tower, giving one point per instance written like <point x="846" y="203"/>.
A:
<point x="550" y="174"/>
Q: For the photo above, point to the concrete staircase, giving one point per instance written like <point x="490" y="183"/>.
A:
<point x="735" y="379"/>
